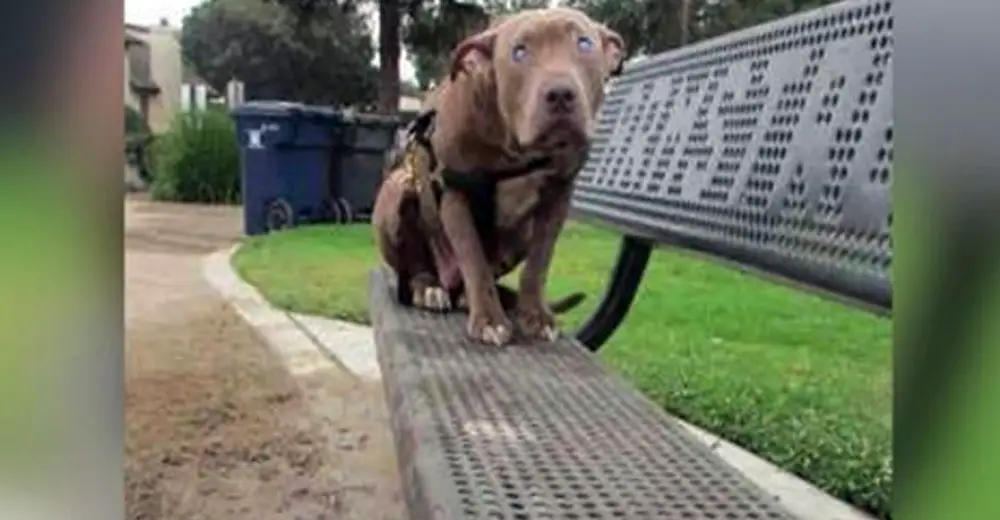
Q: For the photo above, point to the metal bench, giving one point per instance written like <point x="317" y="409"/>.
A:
<point x="770" y="149"/>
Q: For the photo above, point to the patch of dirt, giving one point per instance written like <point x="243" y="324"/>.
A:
<point x="216" y="428"/>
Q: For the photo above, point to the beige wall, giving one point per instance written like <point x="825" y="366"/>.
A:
<point x="166" y="69"/>
<point x="409" y="104"/>
<point x="130" y="98"/>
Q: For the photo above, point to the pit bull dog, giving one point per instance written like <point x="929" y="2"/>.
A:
<point x="483" y="183"/>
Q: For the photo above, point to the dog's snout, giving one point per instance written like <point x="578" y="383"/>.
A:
<point x="560" y="95"/>
<point x="559" y="98"/>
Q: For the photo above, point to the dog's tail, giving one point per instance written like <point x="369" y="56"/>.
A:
<point x="508" y="298"/>
<point x="567" y="303"/>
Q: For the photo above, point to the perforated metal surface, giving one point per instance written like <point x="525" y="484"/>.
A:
<point x="771" y="146"/>
<point x="540" y="432"/>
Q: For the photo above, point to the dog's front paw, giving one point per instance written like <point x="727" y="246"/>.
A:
<point x="536" y="322"/>
<point x="496" y="331"/>
<point x="432" y="298"/>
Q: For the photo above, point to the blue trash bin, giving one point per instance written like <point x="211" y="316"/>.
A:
<point x="285" y="160"/>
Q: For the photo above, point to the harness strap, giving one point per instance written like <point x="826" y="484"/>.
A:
<point x="480" y="188"/>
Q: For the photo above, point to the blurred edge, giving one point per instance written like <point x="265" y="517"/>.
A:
<point x="947" y="404"/>
<point x="61" y="420"/>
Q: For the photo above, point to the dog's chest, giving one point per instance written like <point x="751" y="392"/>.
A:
<point x="518" y="198"/>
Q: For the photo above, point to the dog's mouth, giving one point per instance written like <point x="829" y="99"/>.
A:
<point x="560" y="136"/>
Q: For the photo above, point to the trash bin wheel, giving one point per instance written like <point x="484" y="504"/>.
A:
<point x="346" y="212"/>
<point x="279" y="215"/>
<point x="329" y="211"/>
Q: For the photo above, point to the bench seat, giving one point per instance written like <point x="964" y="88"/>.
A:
<point x="543" y="431"/>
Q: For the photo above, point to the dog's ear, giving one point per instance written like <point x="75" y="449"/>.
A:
<point x="614" y="49"/>
<point x="473" y="52"/>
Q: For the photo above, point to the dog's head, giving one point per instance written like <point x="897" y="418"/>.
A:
<point x="549" y="66"/>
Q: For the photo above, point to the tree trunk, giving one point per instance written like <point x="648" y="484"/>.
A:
<point x="684" y="19"/>
<point x="388" y="55"/>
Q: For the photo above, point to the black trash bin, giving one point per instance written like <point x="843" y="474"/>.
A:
<point x="357" y="162"/>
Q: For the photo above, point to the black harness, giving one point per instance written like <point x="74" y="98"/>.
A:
<point x="478" y="186"/>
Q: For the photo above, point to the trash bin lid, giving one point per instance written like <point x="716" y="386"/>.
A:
<point x="377" y="120"/>
<point x="321" y="112"/>
<point x="269" y="108"/>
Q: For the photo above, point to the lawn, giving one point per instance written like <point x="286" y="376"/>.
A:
<point x="801" y="381"/>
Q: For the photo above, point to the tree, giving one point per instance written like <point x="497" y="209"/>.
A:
<point x="389" y="47"/>
<point x="324" y="58"/>
<point x="648" y="26"/>
<point x="388" y="55"/>
<point x="432" y="29"/>
<point x="652" y="26"/>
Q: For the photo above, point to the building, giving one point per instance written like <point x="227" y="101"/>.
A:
<point x="410" y="103"/>
<point x="153" y="72"/>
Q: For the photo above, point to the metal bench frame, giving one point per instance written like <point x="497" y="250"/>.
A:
<point x="769" y="149"/>
<point x="742" y="221"/>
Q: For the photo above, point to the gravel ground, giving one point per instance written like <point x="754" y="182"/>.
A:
<point x="215" y="426"/>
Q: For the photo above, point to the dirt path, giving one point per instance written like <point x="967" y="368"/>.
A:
<point x="215" y="427"/>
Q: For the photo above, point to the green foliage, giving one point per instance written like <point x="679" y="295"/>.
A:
<point x="432" y="29"/>
<point x="409" y="88"/>
<point x="278" y="53"/>
<point x="137" y="148"/>
<point x="197" y="159"/>
<point x="134" y="123"/>
<point x="137" y="141"/>
<point x="652" y="26"/>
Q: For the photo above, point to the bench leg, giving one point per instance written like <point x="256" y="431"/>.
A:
<point x="633" y="256"/>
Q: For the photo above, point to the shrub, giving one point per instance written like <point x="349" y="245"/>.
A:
<point x="134" y="123"/>
<point x="197" y="159"/>
<point x="137" y="148"/>
<point x="137" y="140"/>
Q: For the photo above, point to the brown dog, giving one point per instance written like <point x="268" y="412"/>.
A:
<point x="521" y="97"/>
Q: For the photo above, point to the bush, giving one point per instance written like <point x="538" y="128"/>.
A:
<point x="137" y="140"/>
<point x="197" y="159"/>
<point x="134" y="123"/>
<point x="137" y="148"/>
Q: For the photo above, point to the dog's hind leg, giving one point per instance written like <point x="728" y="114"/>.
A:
<point x="403" y="246"/>
<point x="428" y="293"/>
<point x="416" y="271"/>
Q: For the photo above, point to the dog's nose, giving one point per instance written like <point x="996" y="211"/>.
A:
<point x="560" y="98"/>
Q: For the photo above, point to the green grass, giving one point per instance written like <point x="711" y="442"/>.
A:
<point x="801" y="381"/>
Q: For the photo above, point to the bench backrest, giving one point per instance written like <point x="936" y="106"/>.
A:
<point x="771" y="147"/>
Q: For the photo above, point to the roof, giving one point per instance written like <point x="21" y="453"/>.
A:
<point x="136" y="28"/>
<point x="133" y="35"/>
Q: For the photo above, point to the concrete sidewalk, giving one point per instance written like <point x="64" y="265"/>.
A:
<point x="301" y="339"/>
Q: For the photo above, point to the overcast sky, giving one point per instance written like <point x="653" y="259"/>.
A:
<point x="149" y="12"/>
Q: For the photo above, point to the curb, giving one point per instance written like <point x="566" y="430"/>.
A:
<point x="308" y="343"/>
<point x="297" y="351"/>
<point x="797" y="496"/>
<point x="304" y="343"/>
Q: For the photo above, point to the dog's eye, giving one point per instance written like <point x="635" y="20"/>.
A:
<point x="519" y="52"/>
<point x="585" y="44"/>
